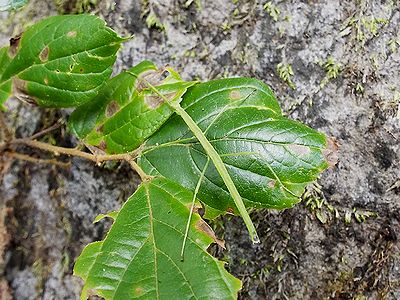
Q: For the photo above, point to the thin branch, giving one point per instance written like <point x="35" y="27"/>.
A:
<point x="28" y="158"/>
<point x="56" y="150"/>
<point x="46" y="131"/>
<point x="143" y="176"/>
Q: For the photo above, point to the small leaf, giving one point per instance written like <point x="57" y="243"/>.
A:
<point x="62" y="61"/>
<point x="140" y="256"/>
<point x="270" y="158"/>
<point x="125" y="112"/>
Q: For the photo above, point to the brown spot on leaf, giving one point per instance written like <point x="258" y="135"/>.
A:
<point x="331" y="152"/>
<point x="71" y="34"/>
<point x="99" y="129"/>
<point x="14" y="42"/>
<point x="14" y="45"/>
<point x="91" y="293"/>
<point x="154" y="101"/>
<point x="230" y="210"/>
<point x="234" y="95"/>
<point x="202" y="226"/>
<point x="271" y="184"/>
<point x="138" y="291"/>
<point x="20" y="91"/>
<point x="46" y="80"/>
<point x="44" y="54"/>
<point x="154" y="77"/>
<point x="103" y="145"/>
<point x="299" y="150"/>
<point x="196" y="207"/>
<point x="112" y="108"/>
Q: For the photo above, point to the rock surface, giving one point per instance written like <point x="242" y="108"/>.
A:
<point x="321" y="249"/>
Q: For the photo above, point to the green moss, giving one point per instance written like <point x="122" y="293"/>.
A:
<point x="285" y="73"/>
<point x="332" y="69"/>
<point x="272" y="10"/>
<point x="317" y="204"/>
<point x="75" y="6"/>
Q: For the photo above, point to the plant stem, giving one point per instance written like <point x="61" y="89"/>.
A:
<point x="46" y="131"/>
<point x="71" y="151"/>
<point x="216" y="159"/>
<point x="128" y="157"/>
<point x="38" y="160"/>
<point x="143" y="176"/>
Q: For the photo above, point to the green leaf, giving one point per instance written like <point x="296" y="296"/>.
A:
<point x="62" y="61"/>
<point x="140" y="256"/>
<point x="5" y="87"/>
<point x="270" y="158"/>
<point x="12" y="4"/>
<point x="125" y="112"/>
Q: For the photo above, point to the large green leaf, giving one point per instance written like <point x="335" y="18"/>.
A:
<point x="270" y="158"/>
<point x="5" y="87"/>
<point x="125" y="112"/>
<point x="140" y="256"/>
<point x="62" y="61"/>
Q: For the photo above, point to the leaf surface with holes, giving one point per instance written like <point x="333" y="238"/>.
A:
<point x="140" y="256"/>
<point x="269" y="157"/>
<point x="62" y="61"/>
<point x="125" y="112"/>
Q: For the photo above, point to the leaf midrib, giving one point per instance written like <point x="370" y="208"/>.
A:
<point x="146" y="187"/>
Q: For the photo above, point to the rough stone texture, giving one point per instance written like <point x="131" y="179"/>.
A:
<point x="300" y="257"/>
